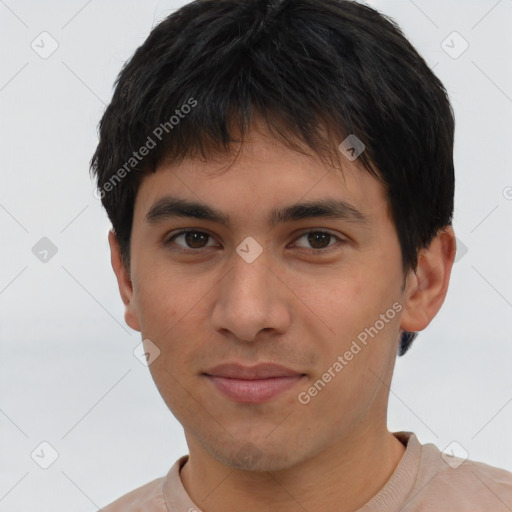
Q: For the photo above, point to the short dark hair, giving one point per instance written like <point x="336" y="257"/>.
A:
<point x="316" y="70"/>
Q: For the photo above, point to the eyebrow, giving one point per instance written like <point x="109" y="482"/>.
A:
<point x="168" y="208"/>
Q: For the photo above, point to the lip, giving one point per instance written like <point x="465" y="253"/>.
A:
<point x="259" y="371"/>
<point x="255" y="384"/>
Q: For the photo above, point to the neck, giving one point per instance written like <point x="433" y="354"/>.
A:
<point x="342" y="478"/>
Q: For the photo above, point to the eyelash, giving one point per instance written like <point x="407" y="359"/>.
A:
<point x="171" y="239"/>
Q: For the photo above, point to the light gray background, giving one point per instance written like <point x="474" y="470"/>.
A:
<point x="68" y="374"/>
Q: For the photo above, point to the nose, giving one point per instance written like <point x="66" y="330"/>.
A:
<point x="251" y="298"/>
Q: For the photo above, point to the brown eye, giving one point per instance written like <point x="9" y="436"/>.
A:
<point x="194" y="240"/>
<point x="319" y="241"/>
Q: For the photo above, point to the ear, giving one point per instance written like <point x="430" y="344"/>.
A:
<point x="427" y="286"/>
<point x="124" y="282"/>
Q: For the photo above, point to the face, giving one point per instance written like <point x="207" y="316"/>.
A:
<point x="320" y="295"/>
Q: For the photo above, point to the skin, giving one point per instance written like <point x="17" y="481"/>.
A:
<point x="290" y="306"/>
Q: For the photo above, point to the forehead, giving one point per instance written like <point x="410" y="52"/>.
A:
<point x="263" y="178"/>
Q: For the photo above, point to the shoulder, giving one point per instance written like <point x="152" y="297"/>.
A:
<point x="147" y="498"/>
<point x="460" y="484"/>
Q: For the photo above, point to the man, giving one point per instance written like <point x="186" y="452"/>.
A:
<point x="279" y="177"/>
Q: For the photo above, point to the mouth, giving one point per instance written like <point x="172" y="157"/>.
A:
<point x="255" y="384"/>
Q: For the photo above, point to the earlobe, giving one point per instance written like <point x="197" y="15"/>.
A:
<point x="124" y="282"/>
<point x="427" y="286"/>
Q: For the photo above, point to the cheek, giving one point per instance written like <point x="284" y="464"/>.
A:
<point x="162" y="296"/>
<point x="341" y="301"/>
<point x="352" y="309"/>
<point x="168" y="309"/>
<point x="171" y="305"/>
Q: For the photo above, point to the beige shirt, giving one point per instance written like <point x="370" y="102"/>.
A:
<point x="423" y="481"/>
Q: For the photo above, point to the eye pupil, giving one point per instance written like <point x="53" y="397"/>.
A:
<point x="319" y="237"/>
<point x="193" y="237"/>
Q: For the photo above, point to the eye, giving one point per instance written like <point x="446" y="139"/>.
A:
<point x="319" y="240"/>
<point x="194" y="240"/>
